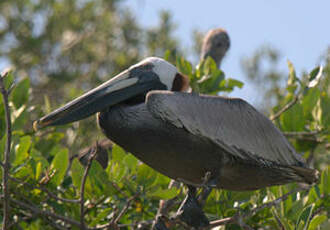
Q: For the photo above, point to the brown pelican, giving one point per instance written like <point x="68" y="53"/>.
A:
<point x="185" y="136"/>
<point x="215" y="44"/>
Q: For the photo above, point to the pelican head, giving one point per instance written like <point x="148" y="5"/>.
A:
<point x="150" y="74"/>
<point x="215" y="44"/>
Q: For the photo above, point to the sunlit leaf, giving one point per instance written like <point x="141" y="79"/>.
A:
<point x="315" y="76"/>
<point x="77" y="172"/>
<point x="293" y="119"/>
<point x="317" y="221"/>
<point x="60" y="164"/>
<point x="309" y="101"/>
<point x="165" y="193"/>
<point x="20" y="94"/>
<point x="9" y="79"/>
<point x="22" y="150"/>
<point x="130" y="161"/>
<point x="304" y="217"/>
<point x="292" y="79"/>
<point x="118" y="154"/>
<point x="145" y="175"/>
<point x="100" y="216"/>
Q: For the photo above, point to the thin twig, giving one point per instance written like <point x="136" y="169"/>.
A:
<point x="46" y="213"/>
<point x="310" y="133"/>
<point x="123" y="211"/>
<point x="54" y="225"/>
<point x="44" y="189"/>
<point x="82" y="188"/>
<point x="6" y="163"/>
<point x="238" y="218"/>
<point x="285" y="108"/>
<point x="274" y="202"/>
<point x="279" y="222"/>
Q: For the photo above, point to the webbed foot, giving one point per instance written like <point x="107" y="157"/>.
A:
<point x="191" y="211"/>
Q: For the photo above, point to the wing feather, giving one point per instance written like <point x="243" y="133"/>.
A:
<point x="231" y="123"/>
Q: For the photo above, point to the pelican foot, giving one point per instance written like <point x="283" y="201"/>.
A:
<point x="191" y="211"/>
<point x="159" y="224"/>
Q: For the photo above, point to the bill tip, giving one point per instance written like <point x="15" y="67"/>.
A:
<point x="36" y="125"/>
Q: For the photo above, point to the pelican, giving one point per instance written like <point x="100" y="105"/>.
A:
<point x="215" y="44"/>
<point x="186" y="136"/>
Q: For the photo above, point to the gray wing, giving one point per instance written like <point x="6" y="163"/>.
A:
<point x="231" y="123"/>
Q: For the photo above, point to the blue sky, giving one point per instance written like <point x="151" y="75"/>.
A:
<point x="299" y="29"/>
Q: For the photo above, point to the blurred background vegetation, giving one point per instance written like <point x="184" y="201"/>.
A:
<point x="60" y="49"/>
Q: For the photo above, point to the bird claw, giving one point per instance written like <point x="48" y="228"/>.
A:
<point x="159" y="224"/>
<point x="191" y="212"/>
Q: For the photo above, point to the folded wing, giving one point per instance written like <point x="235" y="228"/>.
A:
<point x="231" y="123"/>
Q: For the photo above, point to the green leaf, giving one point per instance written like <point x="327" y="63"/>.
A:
<point x="9" y="79"/>
<point x="309" y="101"/>
<point x="312" y="75"/>
<point x="2" y="146"/>
<point x="60" y="164"/>
<point x="165" y="194"/>
<point x="292" y="79"/>
<point x="146" y="175"/>
<point x="317" y="221"/>
<point x="130" y="161"/>
<point x="210" y="66"/>
<point x="101" y="216"/>
<point x="167" y="55"/>
<point x="315" y="76"/>
<point x="22" y="150"/>
<point x="38" y="157"/>
<point x="293" y="119"/>
<point x="77" y="172"/>
<point x="97" y="181"/>
<point x="38" y="170"/>
<point x="184" y="66"/>
<point x="118" y="154"/>
<point x="2" y="120"/>
<point x="292" y="74"/>
<point x="20" y="93"/>
<point x="234" y="83"/>
<point x="304" y="217"/>
<point x="325" y="107"/>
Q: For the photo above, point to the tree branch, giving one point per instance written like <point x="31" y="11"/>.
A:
<point x="82" y="188"/>
<point x="44" y="189"/>
<point x="285" y="108"/>
<point x="6" y="163"/>
<point x="308" y="133"/>
<point x="239" y="218"/>
<point x="46" y="213"/>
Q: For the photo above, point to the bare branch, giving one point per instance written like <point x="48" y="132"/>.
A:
<point x="279" y="222"/>
<point x="82" y="188"/>
<point x="123" y="211"/>
<point x="239" y="218"/>
<point x="274" y="202"/>
<point x="46" y="213"/>
<point x="285" y="108"/>
<point x="44" y="189"/>
<point x="310" y="133"/>
<point x="6" y="163"/>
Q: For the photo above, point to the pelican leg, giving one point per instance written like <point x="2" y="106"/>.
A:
<point x="159" y="224"/>
<point x="190" y="211"/>
<point x="208" y="184"/>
